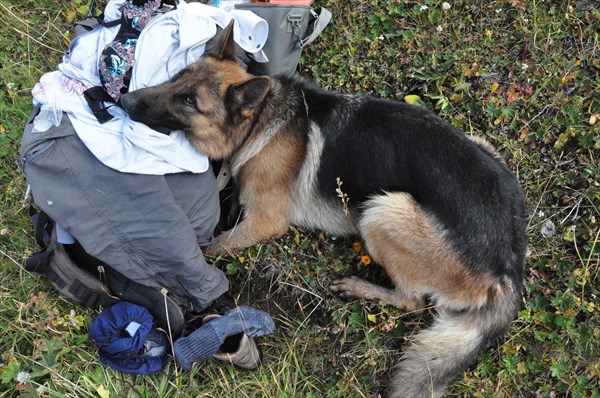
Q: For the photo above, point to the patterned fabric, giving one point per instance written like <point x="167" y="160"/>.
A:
<point x="118" y="57"/>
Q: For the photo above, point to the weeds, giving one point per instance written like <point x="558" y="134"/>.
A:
<point x="524" y="74"/>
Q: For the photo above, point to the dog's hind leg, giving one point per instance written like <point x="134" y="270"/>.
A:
<point x="354" y="287"/>
<point x="390" y="225"/>
<point x="472" y="307"/>
<point x="411" y="247"/>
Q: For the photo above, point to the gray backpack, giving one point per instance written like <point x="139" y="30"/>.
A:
<point x="291" y="28"/>
<point x="87" y="280"/>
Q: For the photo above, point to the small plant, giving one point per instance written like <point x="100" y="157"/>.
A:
<point x="343" y="196"/>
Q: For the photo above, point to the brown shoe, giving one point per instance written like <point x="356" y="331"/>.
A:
<point x="239" y="349"/>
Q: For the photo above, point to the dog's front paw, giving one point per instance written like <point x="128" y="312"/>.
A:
<point x="221" y="245"/>
<point x="214" y="250"/>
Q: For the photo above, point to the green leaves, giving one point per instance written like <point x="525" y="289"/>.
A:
<point x="559" y="369"/>
<point x="8" y="374"/>
<point x="412" y="99"/>
<point x="52" y="352"/>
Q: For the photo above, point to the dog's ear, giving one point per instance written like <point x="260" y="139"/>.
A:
<point x="248" y="95"/>
<point x="225" y="46"/>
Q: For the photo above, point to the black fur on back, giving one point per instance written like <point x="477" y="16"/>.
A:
<point x="377" y="145"/>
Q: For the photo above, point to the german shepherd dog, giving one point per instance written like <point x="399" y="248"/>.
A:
<point x="439" y="210"/>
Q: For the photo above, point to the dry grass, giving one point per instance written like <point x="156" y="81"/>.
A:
<point x="524" y="74"/>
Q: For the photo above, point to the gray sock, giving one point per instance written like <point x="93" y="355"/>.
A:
<point x="205" y="341"/>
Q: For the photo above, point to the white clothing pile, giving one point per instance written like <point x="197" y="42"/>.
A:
<point x="169" y="43"/>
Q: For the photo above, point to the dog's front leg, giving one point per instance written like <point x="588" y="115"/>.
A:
<point x="265" y="217"/>
<point x="266" y="183"/>
<point x="249" y="232"/>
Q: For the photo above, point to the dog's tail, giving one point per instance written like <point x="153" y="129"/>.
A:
<point x="454" y="341"/>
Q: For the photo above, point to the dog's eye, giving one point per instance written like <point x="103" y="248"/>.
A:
<point x="191" y="101"/>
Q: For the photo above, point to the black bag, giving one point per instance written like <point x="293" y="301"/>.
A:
<point x="291" y="28"/>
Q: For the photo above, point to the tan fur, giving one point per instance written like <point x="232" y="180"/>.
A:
<point x="412" y="249"/>
<point x="267" y="194"/>
<point x="486" y="146"/>
<point x="206" y="132"/>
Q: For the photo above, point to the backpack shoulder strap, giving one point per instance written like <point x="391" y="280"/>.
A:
<point x="43" y="226"/>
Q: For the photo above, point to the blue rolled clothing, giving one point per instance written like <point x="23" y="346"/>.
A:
<point x="127" y="341"/>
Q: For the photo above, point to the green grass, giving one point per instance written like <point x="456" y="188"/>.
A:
<point x="524" y="74"/>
